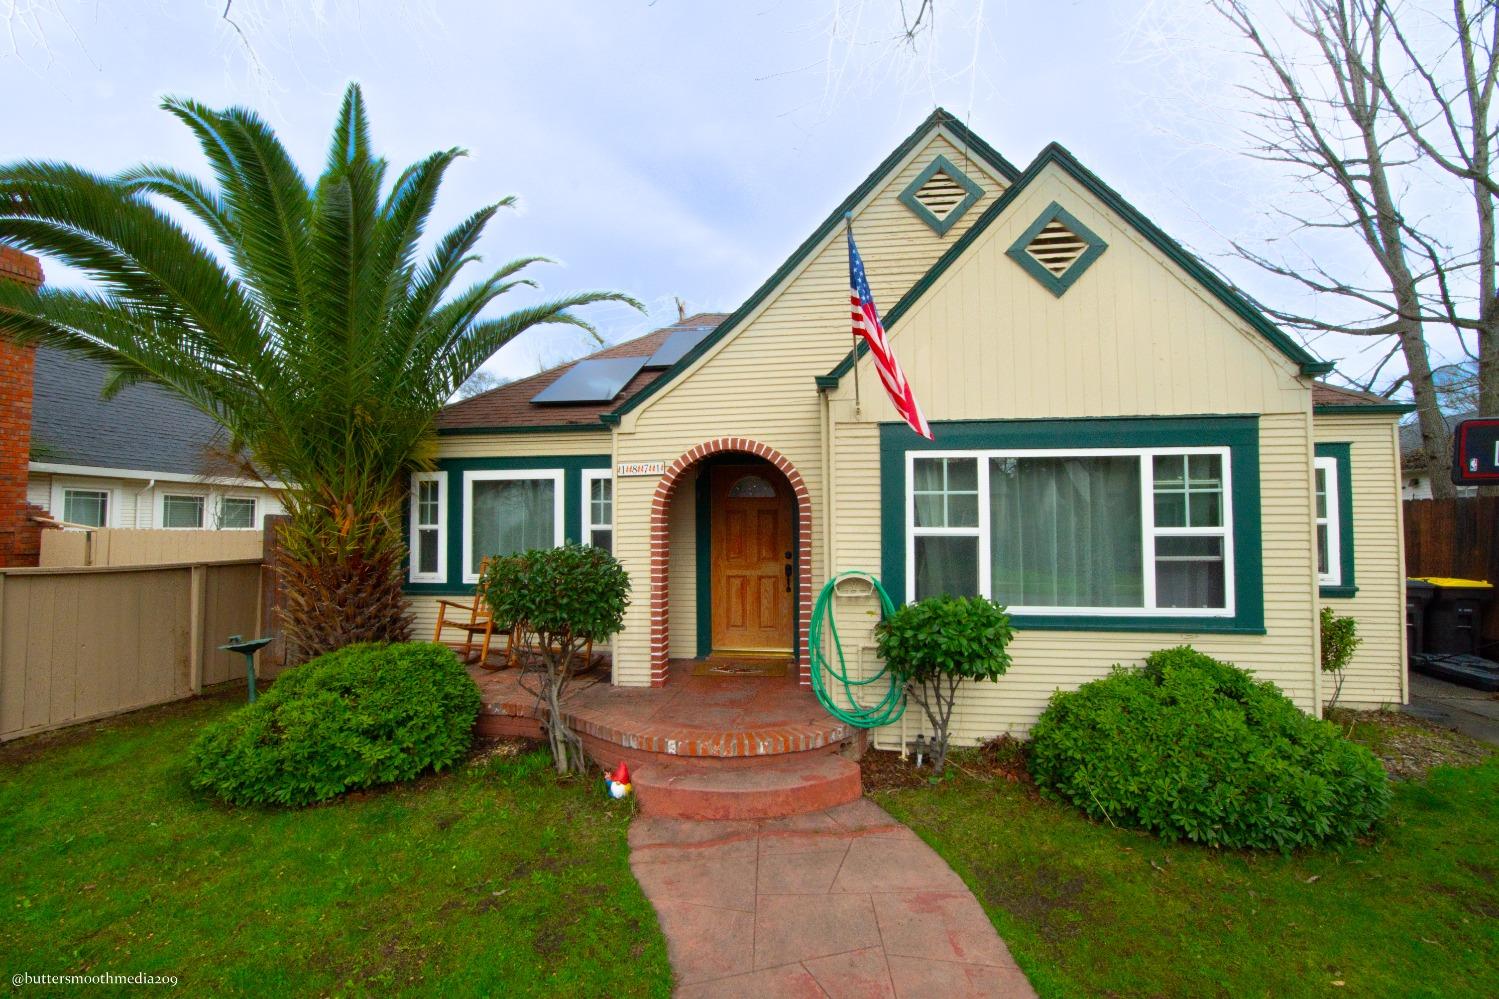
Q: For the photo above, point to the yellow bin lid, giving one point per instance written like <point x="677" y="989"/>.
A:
<point x="1453" y="584"/>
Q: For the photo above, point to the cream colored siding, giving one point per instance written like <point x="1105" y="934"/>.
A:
<point x="524" y="445"/>
<point x="758" y="382"/>
<point x="39" y="491"/>
<point x="682" y="583"/>
<point x="1134" y="336"/>
<point x="1377" y="675"/>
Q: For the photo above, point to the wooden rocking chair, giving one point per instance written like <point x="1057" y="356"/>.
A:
<point x="476" y="623"/>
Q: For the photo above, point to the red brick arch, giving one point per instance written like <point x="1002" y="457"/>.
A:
<point x="661" y="546"/>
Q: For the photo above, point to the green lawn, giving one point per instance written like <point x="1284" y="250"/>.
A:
<point x="1092" y="910"/>
<point x="492" y="879"/>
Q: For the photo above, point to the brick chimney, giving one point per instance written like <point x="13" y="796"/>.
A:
<point x="20" y="536"/>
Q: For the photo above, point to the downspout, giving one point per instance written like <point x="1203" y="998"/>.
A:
<point x="143" y="490"/>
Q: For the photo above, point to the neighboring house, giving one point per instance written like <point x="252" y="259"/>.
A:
<point x="141" y="459"/>
<point x="1415" y="478"/>
<point x="1128" y="454"/>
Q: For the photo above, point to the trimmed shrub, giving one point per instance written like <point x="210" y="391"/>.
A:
<point x="1339" y="642"/>
<point x="1192" y="748"/>
<point x="361" y="716"/>
<point x="933" y="645"/>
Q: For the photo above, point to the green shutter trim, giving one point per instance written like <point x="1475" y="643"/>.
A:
<point x="572" y="467"/>
<point x="1363" y="409"/>
<point x="1019" y="253"/>
<point x="704" y="526"/>
<point x="1240" y="434"/>
<point x="1343" y="457"/>
<point x="1057" y="154"/>
<point x="938" y="119"/>
<point x="941" y="165"/>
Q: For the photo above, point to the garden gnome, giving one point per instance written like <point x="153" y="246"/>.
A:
<point x="619" y="781"/>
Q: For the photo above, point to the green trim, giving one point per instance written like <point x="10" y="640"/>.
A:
<point x="1056" y="154"/>
<point x="938" y="119"/>
<point x="1342" y="454"/>
<point x="540" y="428"/>
<point x="941" y="164"/>
<point x="572" y="466"/>
<point x="1019" y="251"/>
<point x="1363" y="408"/>
<point x="704" y="526"/>
<point x="1337" y="592"/>
<point x="1240" y="434"/>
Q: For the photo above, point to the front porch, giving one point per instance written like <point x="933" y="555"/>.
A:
<point x="700" y="746"/>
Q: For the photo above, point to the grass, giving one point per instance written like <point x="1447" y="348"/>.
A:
<point x="491" y="879"/>
<point x="1092" y="910"/>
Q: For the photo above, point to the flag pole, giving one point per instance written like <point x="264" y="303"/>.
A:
<point x="853" y="355"/>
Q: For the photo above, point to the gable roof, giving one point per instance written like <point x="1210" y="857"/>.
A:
<point x="144" y="428"/>
<point x="1056" y="154"/>
<point x="1336" y="399"/>
<point x="938" y="119"/>
<point x="508" y="408"/>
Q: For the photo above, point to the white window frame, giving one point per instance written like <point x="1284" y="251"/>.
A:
<point x="1333" y="521"/>
<point x="441" y="575"/>
<point x="61" y="488"/>
<point x="511" y="474"/>
<point x="161" y="507"/>
<point x="218" y="520"/>
<point x="1149" y="532"/>
<point x="590" y="476"/>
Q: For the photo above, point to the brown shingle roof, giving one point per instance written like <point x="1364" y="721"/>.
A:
<point x="511" y="406"/>
<point x="1324" y="394"/>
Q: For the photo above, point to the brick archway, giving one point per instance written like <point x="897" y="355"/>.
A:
<point x="661" y="546"/>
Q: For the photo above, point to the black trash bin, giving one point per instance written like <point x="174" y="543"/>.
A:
<point x="1418" y="594"/>
<point x="1455" y="615"/>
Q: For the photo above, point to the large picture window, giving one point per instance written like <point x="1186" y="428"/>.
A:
<point x="1117" y="531"/>
<point x="509" y="511"/>
<point x="429" y="535"/>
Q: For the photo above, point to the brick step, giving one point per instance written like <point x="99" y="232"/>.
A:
<point x="776" y="787"/>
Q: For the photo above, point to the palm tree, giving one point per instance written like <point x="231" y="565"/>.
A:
<point x="296" y="314"/>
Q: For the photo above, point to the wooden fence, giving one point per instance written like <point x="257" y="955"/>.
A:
<point x="1457" y="538"/>
<point x="82" y="643"/>
<point x="138" y="546"/>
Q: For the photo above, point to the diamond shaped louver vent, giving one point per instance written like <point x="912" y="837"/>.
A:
<point x="1056" y="249"/>
<point x="940" y="194"/>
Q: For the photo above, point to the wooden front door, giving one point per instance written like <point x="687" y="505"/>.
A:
<point x="753" y="573"/>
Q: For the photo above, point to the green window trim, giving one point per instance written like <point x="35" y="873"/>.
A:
<point x="1342" y="455"/>
<point x="941" y="164"/>
<point x="1056" y="284"/>
<point x="1240" y="434"/>
<point x="455" y="495"/>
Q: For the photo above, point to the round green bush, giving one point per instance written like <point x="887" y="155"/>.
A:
<point x="1192" y="748"/>
<point x="361" y="716"/>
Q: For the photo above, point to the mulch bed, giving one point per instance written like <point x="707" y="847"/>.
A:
<point x="998" y="759"/>
<point x="1409" y="747"/>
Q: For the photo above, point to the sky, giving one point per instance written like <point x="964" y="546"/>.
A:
<point x="664" y="148"/>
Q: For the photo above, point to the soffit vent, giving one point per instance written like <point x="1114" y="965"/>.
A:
<point x="1057" y="249"/>
<point x="941" y="194"/>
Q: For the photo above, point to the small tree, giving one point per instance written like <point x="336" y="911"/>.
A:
<point x="562" y="599"/>
<point x="934" y="645"/>
<point x="1339" y="641"/>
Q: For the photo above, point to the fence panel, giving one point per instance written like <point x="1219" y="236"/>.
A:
<point x="140" y="546"/>
<point x="1455" y="537"/>
<point x="83" y="643"/>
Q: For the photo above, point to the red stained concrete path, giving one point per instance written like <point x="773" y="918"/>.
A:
<point x="844" y="902"/>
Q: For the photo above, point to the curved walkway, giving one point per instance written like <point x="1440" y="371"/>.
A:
<point x="846" y="902"/>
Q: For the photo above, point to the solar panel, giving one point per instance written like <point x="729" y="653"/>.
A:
<point x="677" y="345"/>
<point x="591" y="381"/>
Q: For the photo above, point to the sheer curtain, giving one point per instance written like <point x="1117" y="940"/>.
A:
<point x="513" y="515"/>
<point x="1066" y="532"/>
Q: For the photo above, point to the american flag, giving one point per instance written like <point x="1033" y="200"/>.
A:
<point x="868" y="326"/>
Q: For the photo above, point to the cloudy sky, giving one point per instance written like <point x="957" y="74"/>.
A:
<point x="666" y="148"/>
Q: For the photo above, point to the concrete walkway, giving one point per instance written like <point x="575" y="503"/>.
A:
<point x="846" y="902"/>
<point x="1475" y="713"/>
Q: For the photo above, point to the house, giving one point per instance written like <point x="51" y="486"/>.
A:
<point x="1415" y="476"/>
<point x="1128" y="454"/>
<point x="143" y="458"/>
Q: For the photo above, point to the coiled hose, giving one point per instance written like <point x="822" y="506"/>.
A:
<point x="846" y="707"/>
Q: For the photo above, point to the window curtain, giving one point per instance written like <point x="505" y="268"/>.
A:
<point x="1066" y="532"/>
<point x="512" y="515"/>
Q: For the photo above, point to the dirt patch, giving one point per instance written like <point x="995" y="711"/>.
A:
<point x="1039" y="895"/>
<point x="1409" y="747"/>
<point x="885" y="770"/>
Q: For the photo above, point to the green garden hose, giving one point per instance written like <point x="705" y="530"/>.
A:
<point x="824" y="675"/>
